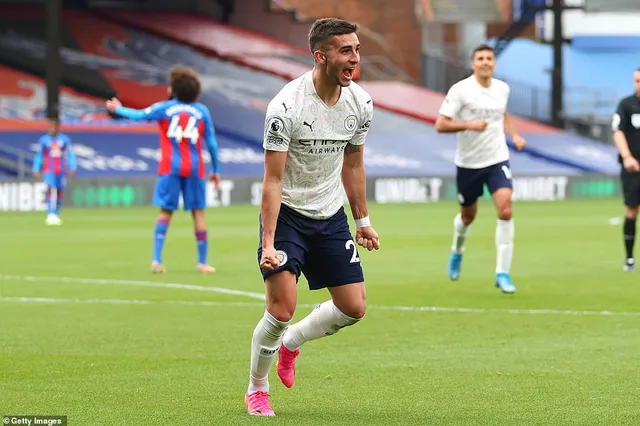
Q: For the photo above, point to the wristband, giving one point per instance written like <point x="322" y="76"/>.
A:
<point x="363" y="222"/>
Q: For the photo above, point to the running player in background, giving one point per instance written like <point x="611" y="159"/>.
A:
<point x="315" y="129"/>
<point x="185" y="125"/>
<point x="475" y="108"/>
<point x="54" y="163"/>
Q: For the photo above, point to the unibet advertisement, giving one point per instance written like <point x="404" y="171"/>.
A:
<point x="127" y="193"/>
<point x="528" y="188"/>
<point x="119" y="193"/>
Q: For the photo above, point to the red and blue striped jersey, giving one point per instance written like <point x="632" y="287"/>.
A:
<point x="184" y="128"/>
<point x="54" y="155"/>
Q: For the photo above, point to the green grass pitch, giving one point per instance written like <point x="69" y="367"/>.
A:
<point x="111" y="344"/>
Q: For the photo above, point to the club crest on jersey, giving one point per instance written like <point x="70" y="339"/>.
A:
<point x="350" y="123"/>
<point x="635" y="121"/>
<point x="282" y="257"/>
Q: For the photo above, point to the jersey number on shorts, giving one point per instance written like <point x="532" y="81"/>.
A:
<point x="351" y="245"/>
<point x="190" y="131"/>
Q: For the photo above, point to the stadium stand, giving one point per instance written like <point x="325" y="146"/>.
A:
<point x="596" y="87"/>
<point x="238" y="83"/>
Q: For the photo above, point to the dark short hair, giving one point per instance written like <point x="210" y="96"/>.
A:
<point x="325" y="28"/>
<point x="483" y="48"/>
<point x="185" y="84"/>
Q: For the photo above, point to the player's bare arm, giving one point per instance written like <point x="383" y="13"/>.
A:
<point x="510" y="129"/>
<point x="274" y="163"/>
<point x="446" y="124"/>
<point x="354" y="180"/>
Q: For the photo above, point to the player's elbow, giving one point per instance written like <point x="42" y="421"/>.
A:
<point x="619" y="139"/>
<point x="274" y="165"/>
<point x="352" y="165"/>
<point x="272" y="182"/>
<point x="440" y="125"/>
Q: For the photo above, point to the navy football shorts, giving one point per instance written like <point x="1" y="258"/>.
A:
<point x="471" y="182"/>
<point x="323" y="250"/>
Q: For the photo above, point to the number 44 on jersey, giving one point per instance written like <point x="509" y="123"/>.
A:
<point x="178" y="133"/>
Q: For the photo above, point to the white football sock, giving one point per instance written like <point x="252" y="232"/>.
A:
<point x="459" y="234"/>
<point x="267" y="337"/>
<point x="324" y="320"/>
<point x="504" y="244"/>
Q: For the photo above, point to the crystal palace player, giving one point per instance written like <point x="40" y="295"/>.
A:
<point x="54" y="162"/>
<point x="475" y="108"/>
<point x="315" y="129"/>
<point x="185" y="125"/>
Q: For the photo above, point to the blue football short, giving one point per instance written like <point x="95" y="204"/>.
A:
<point x="170" y="187"/>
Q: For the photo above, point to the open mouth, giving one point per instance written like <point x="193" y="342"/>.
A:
<point x="348" y="73"/>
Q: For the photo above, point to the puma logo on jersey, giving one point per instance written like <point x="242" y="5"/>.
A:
<point x="310" y="126"/>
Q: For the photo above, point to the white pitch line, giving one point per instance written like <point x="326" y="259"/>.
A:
<point x="221" y="290"/>
<point x="509" y="311"/>
<point x="126" y="301"/>
<point x="374" y="307"/>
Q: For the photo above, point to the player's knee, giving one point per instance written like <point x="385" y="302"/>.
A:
<point x="504" y="213"/>
<point x="358" y="313"/>
<point x="165" y="214"/>
<point x="345" y="317"/>
<point x="281" y="295"/>
<point x="355" y="310"/>
<point x="282" y="310"/>
<point x="631" y="213"/>
<point x="199" y="219"/>
<point x="281" y="313"/>
<point x="467" y="217"/>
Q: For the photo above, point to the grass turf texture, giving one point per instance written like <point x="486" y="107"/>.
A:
<point x="111" y="352"/>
